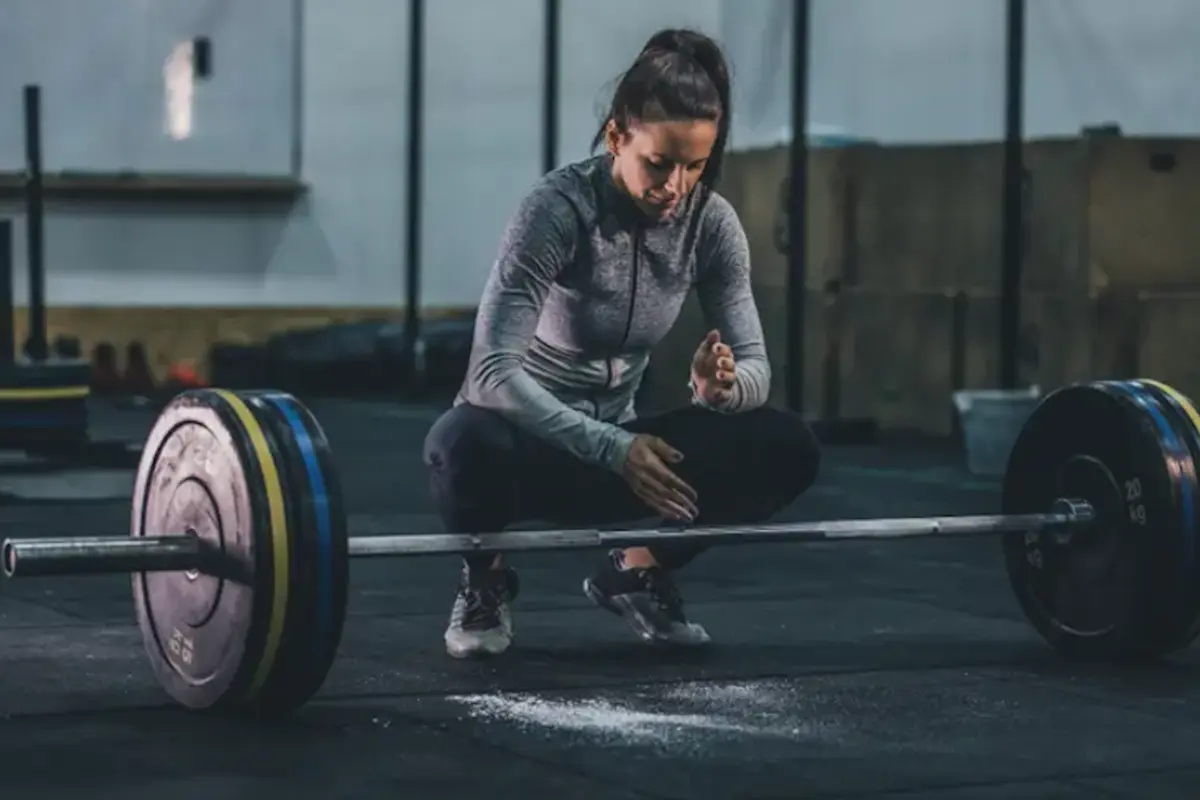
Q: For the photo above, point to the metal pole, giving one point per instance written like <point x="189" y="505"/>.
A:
<point x="797" y="208"/>
<point x="416" y="126"/>
<point x="8" y="336"/>
<point x="1013" y="235"/>
<point x="88" y="556"/>
<point x="509" y="541"/>
<point x="298" y="89"/>
<point x="552" y="32"/>
<point x="38" y="348"/>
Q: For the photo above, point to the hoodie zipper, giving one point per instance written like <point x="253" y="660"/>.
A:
<point x="633" y="287"/>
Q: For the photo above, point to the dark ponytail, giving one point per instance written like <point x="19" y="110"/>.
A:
<point x="679" y="75"/>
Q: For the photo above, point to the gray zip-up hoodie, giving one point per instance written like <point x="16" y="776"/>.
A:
<point x="584" y="287"/>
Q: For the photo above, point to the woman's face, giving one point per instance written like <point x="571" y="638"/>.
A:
<point x="659" y="163"/>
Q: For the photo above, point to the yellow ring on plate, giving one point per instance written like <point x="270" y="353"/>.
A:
<point x="1183" y="402"/>
<point x="279" y="537"/>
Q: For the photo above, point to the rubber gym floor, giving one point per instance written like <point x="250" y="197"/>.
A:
<point x="857" y="669"/>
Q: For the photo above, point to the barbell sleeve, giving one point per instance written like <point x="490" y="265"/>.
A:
<point x="101" y="555"/>
<point x="122" y="554"/>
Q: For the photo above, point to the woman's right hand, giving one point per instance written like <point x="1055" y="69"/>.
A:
<point x="647" y="473"/>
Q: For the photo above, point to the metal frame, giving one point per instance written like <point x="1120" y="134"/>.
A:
<point x="34" y="223"/>
<point x="8" y="333"/>
<point x="551" y="46"/>
<point x="298" y="65"/>
<point x="797" y="216"/>
<point x="414" y="185"/>
<point x="1012" y="240"/>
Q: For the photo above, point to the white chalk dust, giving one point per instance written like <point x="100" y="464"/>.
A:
<point x="664" y="715"/>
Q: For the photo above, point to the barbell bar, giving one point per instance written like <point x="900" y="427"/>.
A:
<point x="239" y="549"/>
<point x="188" y="552"/>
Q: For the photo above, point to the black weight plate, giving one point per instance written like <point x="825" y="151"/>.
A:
<point x="207" y="469"/>
<point x="1179" y="579"/>
<point x="320" y="562"/>
<point x="1091" y="594"/>
<point x="44" y="405"/>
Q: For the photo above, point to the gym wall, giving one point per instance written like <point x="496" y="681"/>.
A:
<point x="267" y="248"/>
<point x="910" y="229"/>
<point x="179" y="263"/>
<point x="904" y="270"/>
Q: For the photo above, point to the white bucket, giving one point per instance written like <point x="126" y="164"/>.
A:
<point x="991" y="420"/>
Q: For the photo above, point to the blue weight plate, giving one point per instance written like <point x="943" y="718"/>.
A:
<point x="1179" y="576"/>
<point x="319" y="556"/>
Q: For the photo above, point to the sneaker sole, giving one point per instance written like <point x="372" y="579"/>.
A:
<point x="498" y="643"/>
<point x="477" y="651"/>
<point x="633" y="619"/>
<point x="599" y="598"/>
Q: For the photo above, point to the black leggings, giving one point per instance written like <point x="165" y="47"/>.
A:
<point x="486" y="474"/>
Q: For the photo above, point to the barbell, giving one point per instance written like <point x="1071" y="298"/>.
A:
<point x="240" y="549"/>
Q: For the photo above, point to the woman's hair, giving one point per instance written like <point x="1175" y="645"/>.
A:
<point x="679" y="75"/>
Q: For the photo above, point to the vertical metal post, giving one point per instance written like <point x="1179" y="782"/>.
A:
<point x="298" y="89"/>
<point x="7" y="333"/>
<point x="416" y="126"/>
<point x="1013" y="241"/>
<point x="34" y="213"/>
<point x="797" y="208"/>
<point x="552" y="32"/>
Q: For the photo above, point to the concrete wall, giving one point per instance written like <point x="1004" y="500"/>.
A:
<point x="924" y="218"/>
<point x="910" y="235"/>
<point x="340" y="242"/>
<point x="923" y="71"/>
<point x="121" y="269"/>
<point x="343" y="243"/>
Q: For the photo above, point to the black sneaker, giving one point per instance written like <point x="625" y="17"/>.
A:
<point x="481" y="621"/>
<point x="647" y="599"/>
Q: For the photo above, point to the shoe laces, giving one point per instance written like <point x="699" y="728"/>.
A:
<point x="481" y="604"/>
<point x="665" y="593"/>
<point x="480" y="608"/>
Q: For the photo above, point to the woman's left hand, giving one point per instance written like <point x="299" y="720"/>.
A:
<point x="714" y="370"/>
